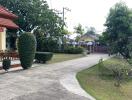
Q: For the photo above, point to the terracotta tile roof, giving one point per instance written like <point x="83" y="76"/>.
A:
<point x="6" y="18"/>
<point x="8" y="23"/>
<point x="6" y="13"/>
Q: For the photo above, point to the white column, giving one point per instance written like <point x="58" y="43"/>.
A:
<point x="3" y="40"/>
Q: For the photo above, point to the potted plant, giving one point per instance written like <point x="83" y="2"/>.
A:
<point x="6" y="64"/>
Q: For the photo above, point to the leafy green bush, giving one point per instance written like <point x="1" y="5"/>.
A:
<point x="73" y="50"/>
<point x="118" y="75"/>
<point x="48" y="44"/>
<point x="26" y="49"/>
<point x="114" y="70"/>
<point x="103" y="71"/>
<point x="6" y="64"/>
<point x="45" y="44"/>
<point x="43" y="56"/>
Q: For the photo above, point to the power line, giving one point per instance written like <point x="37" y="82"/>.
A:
<point x="62" y="12"/>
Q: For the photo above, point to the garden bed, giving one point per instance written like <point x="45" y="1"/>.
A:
<point x="104" y="88"/>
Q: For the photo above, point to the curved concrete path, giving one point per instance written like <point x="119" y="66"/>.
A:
<point x="47" y="82"/>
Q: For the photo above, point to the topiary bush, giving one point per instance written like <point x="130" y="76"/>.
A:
<point x="6" y="64"/>
<point x="26" y="49"/>
<point x="43" y="56"/>
<point x="73" y="50"/>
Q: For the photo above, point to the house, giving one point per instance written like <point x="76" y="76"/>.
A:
<point x="89" y="37"/>
<point x="88" y="40"/>
<point x="6" y="22"/>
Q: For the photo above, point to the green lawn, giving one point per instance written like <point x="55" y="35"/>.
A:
<point x="58" y="57"/>
<point x="104" y="89"/>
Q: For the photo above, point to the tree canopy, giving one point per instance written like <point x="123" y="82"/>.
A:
<point x="79" y="29"/>
<point x="118" y="34"/>
<point x="34" y="13"/>
<point x="91" y="30"/>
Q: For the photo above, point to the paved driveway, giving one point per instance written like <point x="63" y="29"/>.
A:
<point x="47" y="82"/>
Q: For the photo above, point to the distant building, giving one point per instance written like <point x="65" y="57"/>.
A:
<point x="89" y="37"/>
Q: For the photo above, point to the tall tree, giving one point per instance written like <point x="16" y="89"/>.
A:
<point x="34" y="13"/>
<point x="79" y="31"/>
<point x="91" y="30"/>
<point x="119" y="30"/>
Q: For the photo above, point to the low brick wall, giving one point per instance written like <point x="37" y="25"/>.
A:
<point x="10" y="55"/>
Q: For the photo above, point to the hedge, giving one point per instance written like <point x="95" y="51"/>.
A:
<point x="73" y="50"/>
<point x="43" y="56"/>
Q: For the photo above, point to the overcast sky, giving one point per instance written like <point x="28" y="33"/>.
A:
<point x="86" y="12"/>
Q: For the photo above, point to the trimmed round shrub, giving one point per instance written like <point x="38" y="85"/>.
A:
<point x="6" y="64"/>
<point x="43" y="56"/>
<point x="26" y="49"/>
<point x="73" y="50"/>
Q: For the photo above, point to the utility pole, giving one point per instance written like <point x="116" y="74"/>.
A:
<point x="63" y="19"/>
<point x="63" y="13"/>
